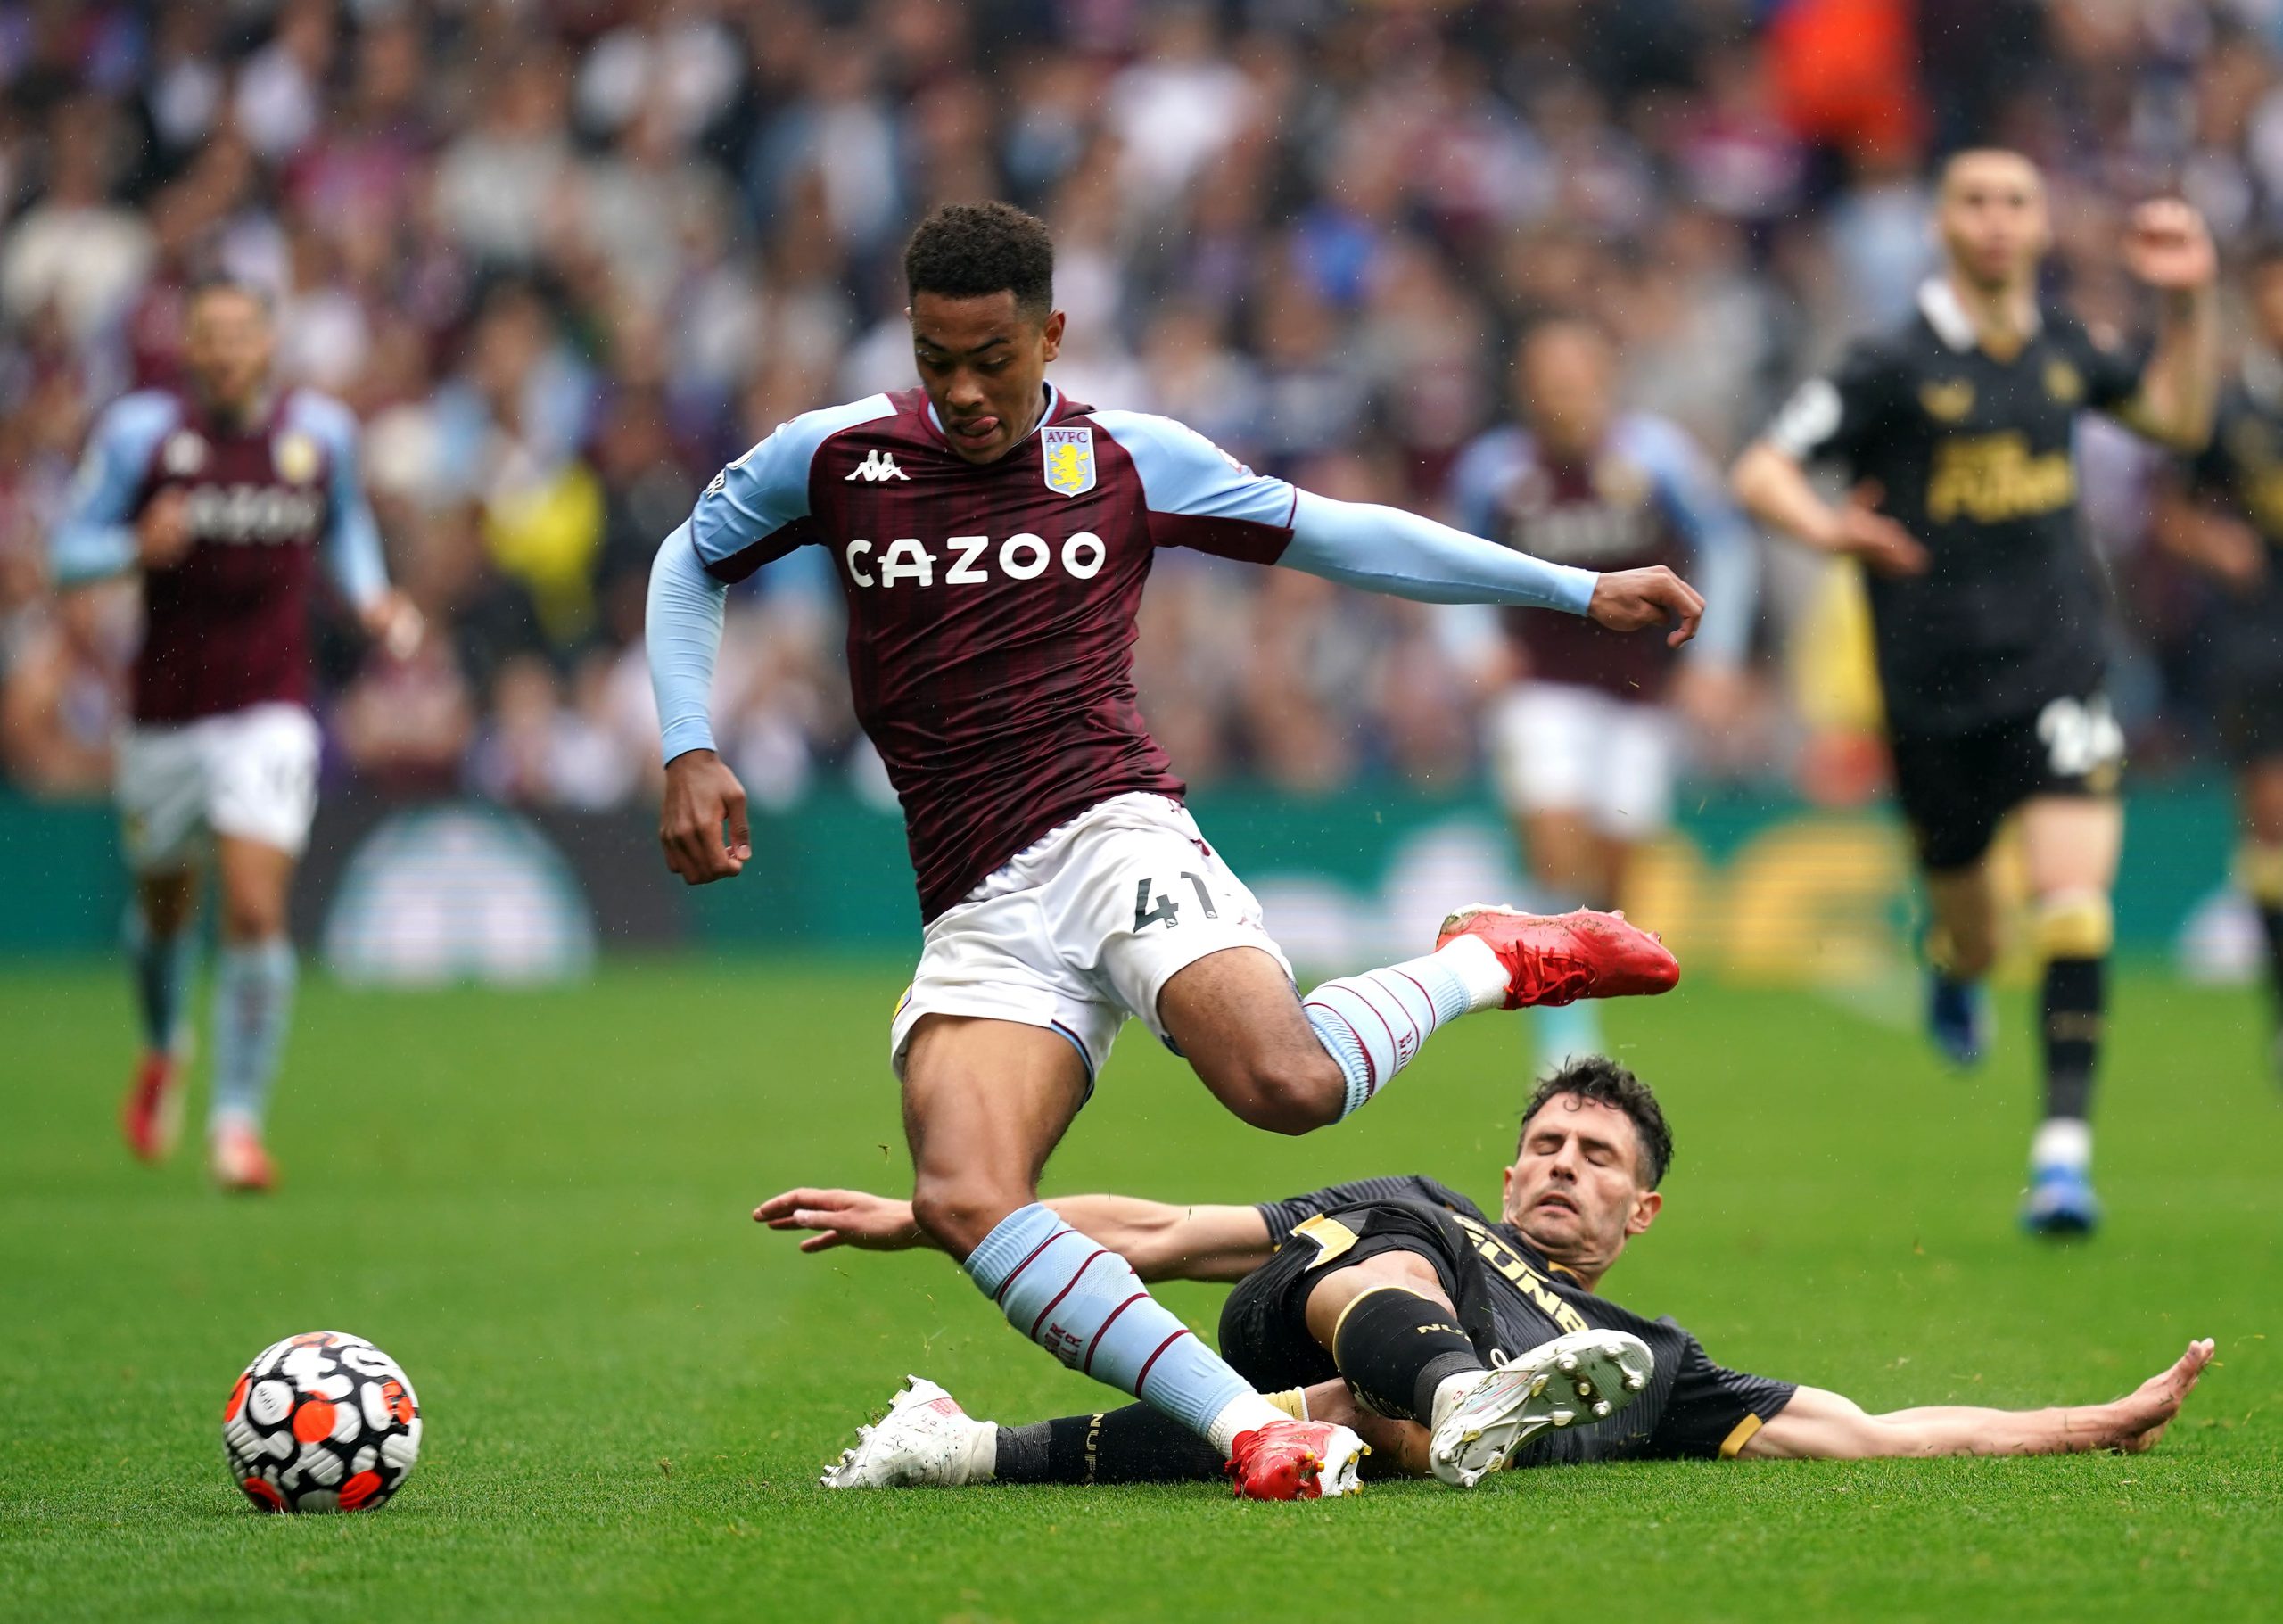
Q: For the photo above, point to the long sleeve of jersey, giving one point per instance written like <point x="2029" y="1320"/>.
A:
<point x="352" y="537"/>
<point x="683" y="633"/>
<point x="1198" y="496"/>
<point x="97" y="536"/>
<point x="1400" y="554"/>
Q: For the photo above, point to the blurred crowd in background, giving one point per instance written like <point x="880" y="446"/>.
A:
<point x="565" y="258"/>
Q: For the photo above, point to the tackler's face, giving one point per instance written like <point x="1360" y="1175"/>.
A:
<point x="1575" y="1190"/>
<point x="1992" y="217"/>
<point x="983" y="363"/>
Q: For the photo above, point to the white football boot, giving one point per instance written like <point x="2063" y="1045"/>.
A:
<point x="923" y="1441"/>
<point x="1586" y="1375"/>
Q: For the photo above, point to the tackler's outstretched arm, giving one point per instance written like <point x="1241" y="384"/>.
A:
<point x="1818" y="1425"/>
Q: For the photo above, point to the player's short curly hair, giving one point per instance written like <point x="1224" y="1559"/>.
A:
<point x="1601" y="1080"/>
<point x="968" y="251"/>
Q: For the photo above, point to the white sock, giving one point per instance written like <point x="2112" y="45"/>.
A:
<point x="1246" y="1412"/>
<point x="2063" y="1142"/>
<point x="982" y="1455"/>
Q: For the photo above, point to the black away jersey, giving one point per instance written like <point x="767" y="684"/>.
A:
<point x="1511" y="1298"/>
<point x="2242" y="471"/>
<point x="1974" y="458"/>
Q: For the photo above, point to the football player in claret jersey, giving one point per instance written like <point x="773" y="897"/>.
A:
<point x="2224" y="514"/>
<point x="1584" y="735"/>
<point x="1986" y="610"/>
<point x="1401" y="1294"/>
<point x="221" y="494"/>
<point x="991" y="537"/>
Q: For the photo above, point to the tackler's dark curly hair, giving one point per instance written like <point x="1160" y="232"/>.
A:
<point x="968" y="251"/>
<point x="1601" y="1080"/>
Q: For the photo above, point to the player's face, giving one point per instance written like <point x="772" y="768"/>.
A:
<point x="1575" y="1189"/>
<point x="1992" y="219"/>
<point x="227" y="346"/>
<point x="1564" y="382"/>
<point x="983" y="363"/>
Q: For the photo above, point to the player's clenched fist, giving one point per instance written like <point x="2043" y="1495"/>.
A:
<point x="2167" y="245"/>
<point x="162" y="532"/>
<point x="702" y="794"/>
<point x="1634" y="600"/>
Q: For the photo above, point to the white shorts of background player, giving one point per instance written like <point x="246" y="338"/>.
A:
<point x="1084" y="927"/>
<point x="252" y="774"/>
<point x="1560" y="746"/>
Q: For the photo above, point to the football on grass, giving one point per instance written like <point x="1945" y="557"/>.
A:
<point x="321" y="1422"/>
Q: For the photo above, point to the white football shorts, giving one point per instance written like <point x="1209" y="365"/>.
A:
<point x="1560" y="746"/>
<point x="1084" y="927"/>
<point x="252" y="774"/>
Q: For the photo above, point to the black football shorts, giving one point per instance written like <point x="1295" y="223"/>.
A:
<point x="1957" y="789"/>
<point x="1265" y="1321"/>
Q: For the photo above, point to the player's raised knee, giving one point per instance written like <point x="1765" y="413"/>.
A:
<point x="957" y="1213"/>
<point x="1285" y="1093"/>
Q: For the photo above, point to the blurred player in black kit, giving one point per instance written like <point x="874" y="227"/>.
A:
<point x="1986" y="611"/>
<point x="2225" y="516"/>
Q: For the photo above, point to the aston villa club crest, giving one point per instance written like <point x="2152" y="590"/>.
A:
<point x="1069" y="454"/>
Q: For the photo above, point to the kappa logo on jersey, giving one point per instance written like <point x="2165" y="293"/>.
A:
<point x="183" y="454"/>
<point x="1069" y="454"/>
<point x="876" y="466"/>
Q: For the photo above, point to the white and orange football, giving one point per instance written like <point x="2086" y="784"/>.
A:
<point x="322" y="1422"/>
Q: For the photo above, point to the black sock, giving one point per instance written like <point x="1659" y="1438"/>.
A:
<point x="1134" y="1445"/>
<point x="2075" y="995"/>
<point x="1395" y="1347"/>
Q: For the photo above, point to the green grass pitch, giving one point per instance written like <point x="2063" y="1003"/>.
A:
<point x="538" y="1203"/>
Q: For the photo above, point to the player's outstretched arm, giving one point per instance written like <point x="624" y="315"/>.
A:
<point x="2167" y="246"/>
<point x="1818" y="1425"/>
<point x="1162" y="1242"/>
<point x="682" y="635"/>
<point x="1403" y="555"/>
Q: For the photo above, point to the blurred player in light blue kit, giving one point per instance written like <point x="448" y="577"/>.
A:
<point x="221" y="495"/>
<point x="1584" y="738"/>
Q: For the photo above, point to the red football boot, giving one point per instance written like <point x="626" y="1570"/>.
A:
<point x="150" y="1115"/>
<point x="1296" y="1460"/>
<point x="238" y="1160"/>
<point x="1560" y="958"/>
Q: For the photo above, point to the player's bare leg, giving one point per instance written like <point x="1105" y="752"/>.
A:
<point x="2071" y="845"/>
<point x="1575" y="865"/>
<point x="985" y="1103"/>
<point x="1240" y="1026"/>
<point x="160" y="949"/>
<point x="1263" y="1051"/>
<point x="2259" y="869"/>
<point x="253" y="1004"/>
